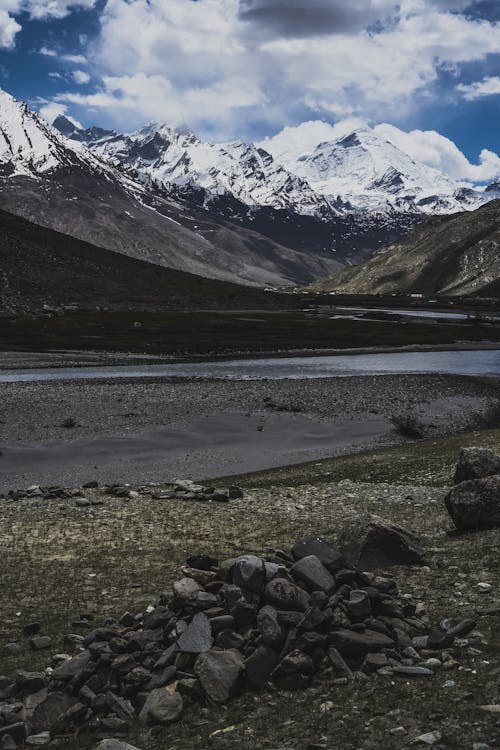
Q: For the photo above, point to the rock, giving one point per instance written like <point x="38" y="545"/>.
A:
<point x="430" y="738"/>
<point x="294" y="671"/>
<point x="29" y="682"/>
<point x="326" y="552"/>
<point x="219" y="673"/>
<point x="50" y="711"/>
<point x="313" y="573"/>
<point x="359" y="604"/>
<point x="249" y="573"/>
<point x="260" y="665"/>
<point x="475" y="504"/>
<point x="16" y="732"/>
<point x="186" y="590"/>
<point x="71" y="667"/>
<point x="269" y="627"/>
<point x="339" y="664"/>
<point x="411" y="671"/>
<point x="476" y="463"/>
<point x="197" y="638"/>
<point x="235" y="492"/>
<point x="38" y="740"/>
<point x="350" y="643"/>
<point x="202" y="562"/>
<point x="161" y="707"/>
<point x="121" y="707"/>
<point x="40" y="642"/>
<point x="285" y="595"/>
<point x="371" y="542"/>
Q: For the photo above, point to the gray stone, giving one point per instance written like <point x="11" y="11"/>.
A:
<point x="162" y="707"/>
<point x="359" y="604"/>
<point x="197" y="638"/>
<point x="38" y="740"/>
<point x="71" y="667"/>
<point x="269" y="627"/>
<point x="121" y="707"/>
<point x="370" y="542"/>
<point x="40" y="642"/>
<point x="249" y="573"/>
<point x="50" y="711"/>
<point x="351" y="643"/>
<point x="476" y="463"/>
<point x="186" y="590"/>
<point x="285" y="595"/>
<point x="410" y="671"/>
<point x="475" y="504"/>
<point x="339" y="664"/>
<point x="326" y="552"/>
<point x="219" y="673"/>
<point x="313" y="573"/>
<point x="260" y="665"/>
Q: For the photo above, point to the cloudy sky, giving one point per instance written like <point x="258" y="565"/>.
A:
<point x="428" y="69"/>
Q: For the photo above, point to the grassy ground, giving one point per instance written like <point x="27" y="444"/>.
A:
<point x="219" y="333"/>
<point x="59" y="561"/>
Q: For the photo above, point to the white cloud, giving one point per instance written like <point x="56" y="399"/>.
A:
<point x="51" y="110"/>
<point x="8" y="30"/>
<point x="80" y="77"/>
<point x="36" y="9"/>
<point x="47" y="52"/>
<point x="199" y="61"/>
<point x="487" y="87"/>
<point x="441" y="153"/>
<point x="76" y="59"/>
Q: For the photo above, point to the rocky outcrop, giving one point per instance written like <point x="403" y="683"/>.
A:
<point x="476" y="463"/>
<point x="475" y="504"/>
<point x="371" y="542"/>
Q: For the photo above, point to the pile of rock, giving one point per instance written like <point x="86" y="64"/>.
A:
<point x="186" y="489"/>
<point x="243" y="623"/>
<point x="474" y="503"/>
<point x="183" y="489"/>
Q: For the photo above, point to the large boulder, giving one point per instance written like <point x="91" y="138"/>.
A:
<point x="475" y="504"/>
<point x="476" y="463"/>
<point x="219" y="673"/>
<point x="370" y="542"/>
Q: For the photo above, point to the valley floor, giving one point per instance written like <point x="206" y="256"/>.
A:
<point x="157" y="429"/>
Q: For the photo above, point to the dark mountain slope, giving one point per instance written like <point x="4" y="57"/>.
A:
<point x="40" y="266"/>
<point x="452" y="255"/>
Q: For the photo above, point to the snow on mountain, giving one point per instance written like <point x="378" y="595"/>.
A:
<point x="352" y="162"/>
<point x="249" y="174"/>
<point x="30" y="147"/>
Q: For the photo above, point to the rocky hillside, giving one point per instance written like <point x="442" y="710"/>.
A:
<point x="452" y="255"/>
<point x="42" y="271"/>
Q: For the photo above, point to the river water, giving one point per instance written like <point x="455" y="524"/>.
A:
<point x="479" y="362"/>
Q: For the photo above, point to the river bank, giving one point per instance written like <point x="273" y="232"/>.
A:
<point x="153" y="430"/>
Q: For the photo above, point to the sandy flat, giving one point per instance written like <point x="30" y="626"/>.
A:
<point x="203" y="448"/>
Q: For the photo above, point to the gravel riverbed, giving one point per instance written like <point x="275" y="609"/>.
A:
<point x="140" y="430"/>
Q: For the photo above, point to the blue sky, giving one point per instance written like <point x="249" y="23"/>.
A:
<point x="248" y="68"/>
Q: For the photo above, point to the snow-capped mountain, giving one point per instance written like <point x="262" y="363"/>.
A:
<point x="169" y="157"/>
<point x="353" y="163"/>
<point x="315" y="169"/>
<point x="30" y="147"/>
<point x="61" y="184"/>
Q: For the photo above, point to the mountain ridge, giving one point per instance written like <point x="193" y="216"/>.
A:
<point x="448" y="255"/>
